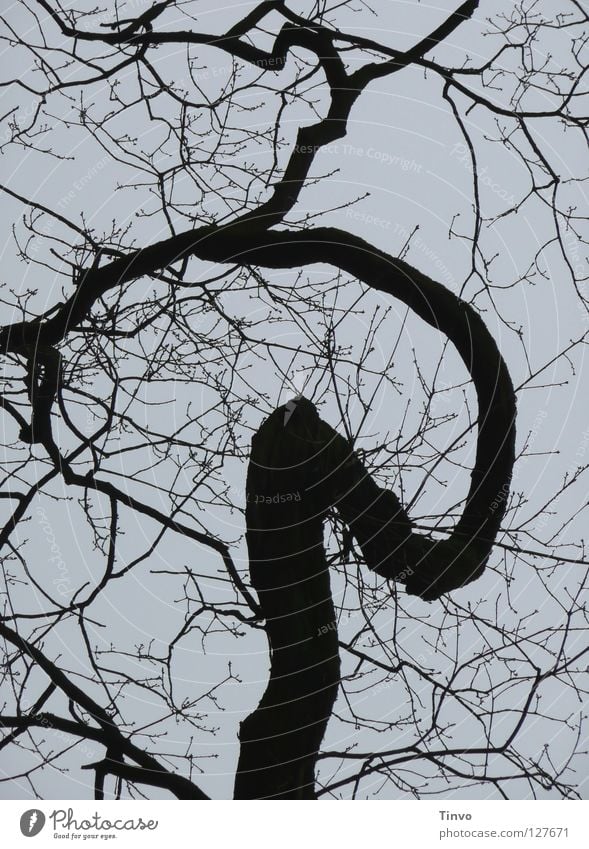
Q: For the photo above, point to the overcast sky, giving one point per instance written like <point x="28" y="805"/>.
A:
<point x="405" y="152"/>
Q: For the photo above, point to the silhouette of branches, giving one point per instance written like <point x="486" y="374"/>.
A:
<point x="178" y="271"/>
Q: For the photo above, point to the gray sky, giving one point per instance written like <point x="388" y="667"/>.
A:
<point x="404" y="150"/>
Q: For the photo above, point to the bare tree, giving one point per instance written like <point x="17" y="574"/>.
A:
<point x="174" y="293"/>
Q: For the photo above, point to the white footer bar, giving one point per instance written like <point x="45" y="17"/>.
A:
<point x="296" y="825"/>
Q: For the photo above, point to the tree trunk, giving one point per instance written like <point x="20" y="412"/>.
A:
<point x="285" y="515"/>
<point x="299" y="468"/>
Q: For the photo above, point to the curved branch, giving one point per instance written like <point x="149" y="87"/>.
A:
<point x="437" y="567"/>
<point x="460" y="558"/>
<point x="299" y="468"/>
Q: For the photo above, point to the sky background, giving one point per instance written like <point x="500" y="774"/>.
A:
<point x="403" y="150"/>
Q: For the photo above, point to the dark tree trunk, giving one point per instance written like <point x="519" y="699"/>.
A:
<point x="299" y="468"/>
<point x="288" y="568"/>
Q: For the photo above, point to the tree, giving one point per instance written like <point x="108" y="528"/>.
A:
<point x="175" y="292"/>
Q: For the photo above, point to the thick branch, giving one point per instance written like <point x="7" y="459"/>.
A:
<point x="242" y="242"/>
<point x="462" y="556"/>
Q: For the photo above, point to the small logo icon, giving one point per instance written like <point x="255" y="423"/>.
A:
<point x="32" y="822"/>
